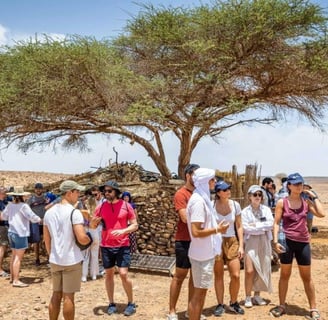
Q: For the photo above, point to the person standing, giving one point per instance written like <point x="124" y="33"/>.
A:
<point x="293" y="210"/>
<point x="268" y="197"/>
<point x="19" y="215"/>
<point x="4" y="241"/>
<point x="182" y="243"/>
<point x="232" y="248"/>
<point x="37" y="202"/>
<point x="205" y="240"/>
<point x="257" y="223"/>
<point x="62" y="223"/>
<point x="118" y="220"/>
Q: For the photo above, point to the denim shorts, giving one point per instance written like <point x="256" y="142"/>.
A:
<point x="120" y="256"/>
<point x="17" y="242"/>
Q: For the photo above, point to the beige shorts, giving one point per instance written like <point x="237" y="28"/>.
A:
<point x="230" y="247"/>
<point x="202" y="273"/>
<point x="66" y="279"/>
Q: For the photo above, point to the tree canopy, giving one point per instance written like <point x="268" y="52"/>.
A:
<point x="194" y="72"/>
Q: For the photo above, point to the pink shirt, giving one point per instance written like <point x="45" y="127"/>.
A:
<point x="294" y="222"/>
<point x="116" y="216"/>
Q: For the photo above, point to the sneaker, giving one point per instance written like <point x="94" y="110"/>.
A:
<point x="130" y="309"/>
<point x="94" y="277"/>
<point x="248" y="302"/>
<point x="219" y="310"/>
<point x="112" y="308"/>
<point x="172" y="316"/>
<point x="259" y="301"/>
<point x="236" y="308"/>
<point x="202" y="316"/>
<point x="84" y="279"/>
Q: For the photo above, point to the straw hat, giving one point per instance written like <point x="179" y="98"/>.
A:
<point x="18" y="191"/>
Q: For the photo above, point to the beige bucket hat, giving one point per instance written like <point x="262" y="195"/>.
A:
<point x="18" y="191"/>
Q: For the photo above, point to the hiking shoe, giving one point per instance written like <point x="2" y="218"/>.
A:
<point x="248" y="302"/>
<point x="130" y="309"/>
<point x="235" y="307"/>
<point x="37" y="263"/>
<point x="259" y="301"/>
<point x="219" y="310"/>
<point x="173" y="316"/>
<point x="112" y="308"/>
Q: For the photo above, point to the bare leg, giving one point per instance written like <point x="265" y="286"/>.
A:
<point x="175" y="287"/>
<point x="285" y="272"/>
<point x="68" y="306"/>
<point x="54" y="305"/>
<point x="234" y="270"/>
<point x="249" y="275"/>
<point x="109" y="283"/>
<point x="305" y="273"/>
<point x="126" y="282"/>
<point x="218" y="280"/>
<point x="2" y="254"/>
<point x="197" y="303"/>
<point x="17" y="257"/>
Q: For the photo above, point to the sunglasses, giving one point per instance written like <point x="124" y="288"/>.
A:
<point x="257" y="194"/>
<point x="224" y="190"/>
<point x="108" y="190"/>
<point x="94" y="194"/>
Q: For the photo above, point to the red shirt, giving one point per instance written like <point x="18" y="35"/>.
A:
<point x="116" y="216"/>
<point x="181" y="199"/>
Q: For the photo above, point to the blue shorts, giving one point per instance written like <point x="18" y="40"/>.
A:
<point x="300" y="250"/>
<point x="17" y="242"/>
<point x="120" y="256"/>
<point x="181" y="254"/>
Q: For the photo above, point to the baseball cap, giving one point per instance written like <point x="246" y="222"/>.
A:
<point x="69" y="185"/>
<point x="254" y="188"/>
<point x="221" y="185"/>
<point x="38" y="185"/>
<point x="295" y="178"/>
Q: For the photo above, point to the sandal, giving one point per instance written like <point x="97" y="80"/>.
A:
<point x="315" y="314"/>
<point x="278" y="311"/>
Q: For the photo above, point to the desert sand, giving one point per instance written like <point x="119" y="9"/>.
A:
<point x="151" y="290"/>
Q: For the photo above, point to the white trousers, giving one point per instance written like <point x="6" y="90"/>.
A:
<point x="91" y="256"/>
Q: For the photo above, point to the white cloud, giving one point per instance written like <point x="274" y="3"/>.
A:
<point x="3" y="37"/>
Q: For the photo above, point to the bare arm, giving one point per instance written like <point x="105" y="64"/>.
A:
<point x="240" y="232"/>
<point x="198" y="232"/>
<point x="47" y="239"/>
<point x="183" y="215"/>
<point x="80" y="234"/>
<point x="133" y="226"/>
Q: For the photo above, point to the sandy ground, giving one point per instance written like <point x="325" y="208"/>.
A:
<point x="151" y="290"/>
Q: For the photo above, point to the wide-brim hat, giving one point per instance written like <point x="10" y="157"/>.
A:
<point x="18" y="191"/>
<point x="112" y="184"/>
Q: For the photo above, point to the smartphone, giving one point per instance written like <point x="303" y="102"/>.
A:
<point x="305" y="196"/>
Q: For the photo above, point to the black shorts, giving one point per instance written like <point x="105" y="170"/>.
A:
<point x="120" y="256"/>
<point x="300" y="250"/>
<point x="181" y="254"/>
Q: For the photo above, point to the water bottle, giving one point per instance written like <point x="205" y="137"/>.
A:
<point x="282" y="238"/>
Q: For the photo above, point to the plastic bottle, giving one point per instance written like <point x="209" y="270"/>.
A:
<point x="282" y="238"/>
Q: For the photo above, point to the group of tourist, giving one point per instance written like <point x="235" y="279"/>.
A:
<point x="100" y="218"/>
<point x="212" y="231"/>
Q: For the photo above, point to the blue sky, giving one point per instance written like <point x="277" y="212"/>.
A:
<point x="288" y="147"/>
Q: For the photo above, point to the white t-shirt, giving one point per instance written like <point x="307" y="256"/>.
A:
<point x="19" y="216"/>
<point x="64" y="251"/>
<point x="230" y="217"/>
<point x="205" y="248"/>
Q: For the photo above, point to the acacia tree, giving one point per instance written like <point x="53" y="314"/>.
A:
<point x="195" y="72"/>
